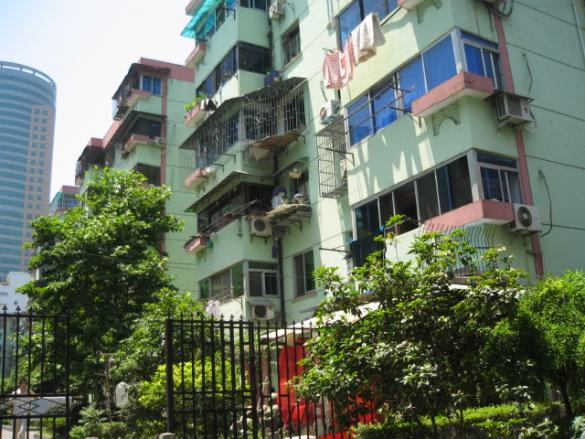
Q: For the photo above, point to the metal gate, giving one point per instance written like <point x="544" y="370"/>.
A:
<point x="233" y="379"/>
<point x="35" y="401"/>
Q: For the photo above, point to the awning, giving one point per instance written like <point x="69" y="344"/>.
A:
<point x="233" y="178"/>
<point x="208" y="5"/>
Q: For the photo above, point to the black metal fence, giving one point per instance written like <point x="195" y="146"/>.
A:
<point x="35" y="401"/>
<point x="233" y="379"/>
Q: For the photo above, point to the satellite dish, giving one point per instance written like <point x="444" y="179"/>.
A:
<point x="121" y="395"/>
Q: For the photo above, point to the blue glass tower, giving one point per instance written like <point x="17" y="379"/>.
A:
<point x="27" y="121"/>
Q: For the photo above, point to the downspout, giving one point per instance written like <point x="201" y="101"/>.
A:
<point x="280" y="259"/>
<point x="520" y="146"/>
<point x="579" y="28"/>
<point x="163" y="148"/>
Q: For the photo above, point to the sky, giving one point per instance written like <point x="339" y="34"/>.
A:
<point x="87" y="47"/>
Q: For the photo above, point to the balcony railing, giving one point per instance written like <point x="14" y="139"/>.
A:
<point x="126" y="101"/>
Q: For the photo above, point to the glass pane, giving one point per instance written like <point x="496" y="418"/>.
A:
<point x="412" y="82"/>
<point x="405" y="202"/>
<point x="254" y="59"/>
<point x="492" y="190"/>
<point x="147" y="83"/>
<point x="238" y="280"/>
<point x="270" y="284"/>
<point x="470" y="37"/>
<point x="154" y="129"/>
<point x="474" y="60"/>
<point x="489" y="71"/>
<point x="299" y="276"/>
<point x="427" y="196"/>
<point x="204" y="289"/>
<point x="376" y="6"/>
<point x="366" y="219"/>
<point x="216" y="287"/>
<point x="348" y="21"/>
<point x="439" y="63"/>
<point x="359" y="119"/>
<point x="383" y="100"/>
<point x="386" y="208"/>
<point x="454" y="185"/>
<point x="156" y="87"/>
<point x="514" y="187"/>
<point x="309" y="268"/>
<point x="261" y="4"/>
<point x="255" y="279"/>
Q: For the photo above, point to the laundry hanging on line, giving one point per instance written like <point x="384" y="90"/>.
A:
<point x="367" y="36"/>
<point x="338" y="66"/>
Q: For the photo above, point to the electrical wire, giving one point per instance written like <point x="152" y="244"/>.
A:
<point x="550" y="206"/>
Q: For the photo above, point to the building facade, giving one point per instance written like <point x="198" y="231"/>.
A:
<point x="10" y="299"/>
<point x="27" y="121"/>
<point x="64" y="199"/>
<point x="148" y="127"/>
<point x="314" y="122"/>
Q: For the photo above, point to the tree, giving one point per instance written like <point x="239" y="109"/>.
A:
<point x="552" y="326"/>
<point x="101" y="264"/>
<point x="431" y="347"/>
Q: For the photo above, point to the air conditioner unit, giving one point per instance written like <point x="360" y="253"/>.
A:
<point x="330" y="111"/>
<point x="276" y="11"/>
<point x="526" y="219"/>
<point x="260" y="226"/>
<point x="513" y="110"/>
<point x="263" y="312"/>
<point x="161" y="141"/>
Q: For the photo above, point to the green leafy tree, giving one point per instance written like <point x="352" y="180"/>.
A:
<point x="101" y="264"/>
<point x="552" y="326"/>
<point x="432" y="347"/>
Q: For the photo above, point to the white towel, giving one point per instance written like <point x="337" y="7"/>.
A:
<point x="367" y="36"/>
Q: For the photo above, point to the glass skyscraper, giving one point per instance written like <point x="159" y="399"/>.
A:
<point x="27" y="121"/>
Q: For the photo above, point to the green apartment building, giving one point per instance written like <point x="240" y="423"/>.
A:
<point x="316" y="121"/>
<point x="147" y="129"/>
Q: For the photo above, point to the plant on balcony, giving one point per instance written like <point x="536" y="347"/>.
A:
<point x="194" y="103"/>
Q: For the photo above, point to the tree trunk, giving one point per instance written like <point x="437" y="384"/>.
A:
<point x="564" y="388"/>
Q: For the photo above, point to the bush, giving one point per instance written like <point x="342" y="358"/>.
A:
<point x="506" y="421"/>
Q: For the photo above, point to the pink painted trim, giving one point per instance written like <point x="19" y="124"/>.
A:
<point x="177" y="71"/>
<point x="96" y="142"/>
<point x="520" y="146"/>
<point x="194" y="116"/>
<point x="196" y="54"/>
<point x="196" y="176"/>
<point x="479" y="211"/>
<point x="135" y="139"/>
<point x="196" y="244"/>
<point x="463" y="84"/>
<point x="69" y="189"/>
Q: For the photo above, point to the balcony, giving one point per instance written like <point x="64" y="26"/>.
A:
<point x="196" y="55"/>
<point x="127" y="101"/>
<point x="136" y="139"/>
<point x="478" y="212"/>
<point x="450" y="91"/>
<point x="199" y="114"/>
<point x="196" y="244"/>
<point x="288" y="214"/>
<point x="198" y="177"/>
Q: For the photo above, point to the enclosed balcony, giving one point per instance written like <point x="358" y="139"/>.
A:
<point x="196" y="244"/>
<point x="92" y="155"/>
<point x="140" y="90"/>
<point x="450" y="91"/>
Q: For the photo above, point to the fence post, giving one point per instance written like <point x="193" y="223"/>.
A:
<point x="169" y="370"/>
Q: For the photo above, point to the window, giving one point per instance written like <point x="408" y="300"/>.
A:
<point x="223" y="285"/>
<point x="435" y="66"/>
<point x="481" y="57"/>
<point x="359" y="119"/>
<point x="291" y="44"/>
<point x="304" y="268"/>
<point x="253" y="58"/>
<point x="151" y="84"/>
<point x="499" y="178"/>
<point x="353" y="15"/>
<point x="263" y="280"/>
<point x="300" y="185"/>
<point x="434" y="193"/>
<point x="439" y="63"/>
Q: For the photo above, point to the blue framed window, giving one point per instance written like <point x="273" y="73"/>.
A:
<point x="439" y="63"/>
<point x="359" y="119"/>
